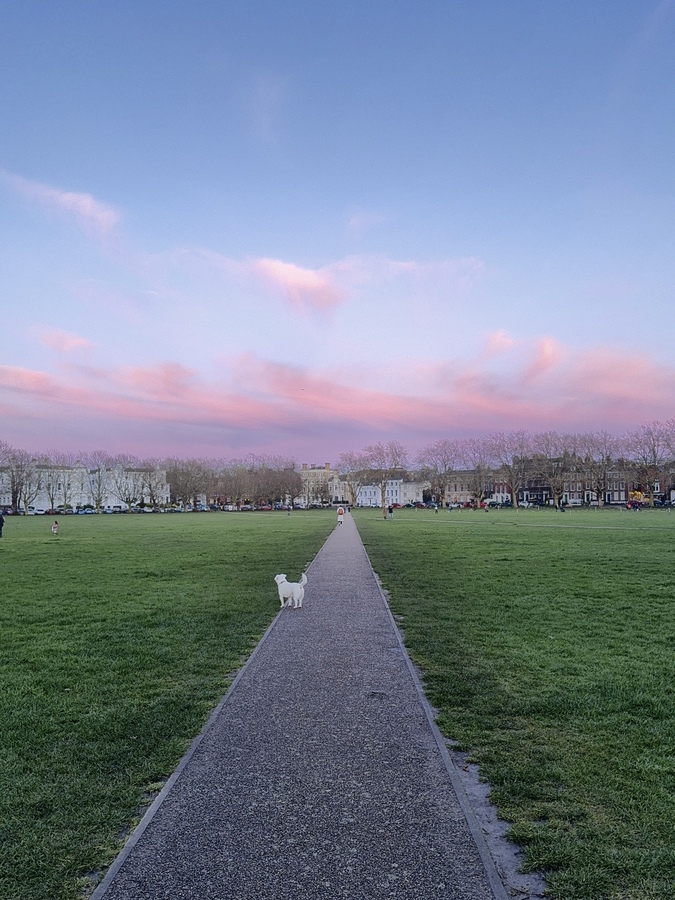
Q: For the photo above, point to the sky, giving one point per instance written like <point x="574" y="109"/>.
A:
<point x="301" y="228"/>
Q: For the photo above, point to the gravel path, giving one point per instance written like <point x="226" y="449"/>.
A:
<point x="320" y="774"/>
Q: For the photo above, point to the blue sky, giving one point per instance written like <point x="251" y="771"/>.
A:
<point x="300" y="228"/>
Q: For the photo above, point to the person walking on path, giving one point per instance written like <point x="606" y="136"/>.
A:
<point x="341" y="515"/>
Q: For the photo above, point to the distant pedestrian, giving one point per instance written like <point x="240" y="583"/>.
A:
<point x="341" y="515"/>
<point x="390" y="510"/>
<point x="55" y="527"/>
<point x="2" y="522"/>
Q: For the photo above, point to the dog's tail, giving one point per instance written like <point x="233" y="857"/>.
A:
<point x="303" y="580"/>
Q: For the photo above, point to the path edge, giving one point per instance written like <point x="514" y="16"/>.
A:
<point x="102" y="888"/>
<point x="492" y="873"/>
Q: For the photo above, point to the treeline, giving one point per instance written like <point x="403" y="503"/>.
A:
<point x="63" y="476"/>
<point x="645" y="455"/>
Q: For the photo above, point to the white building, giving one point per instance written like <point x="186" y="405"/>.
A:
<point x="397" y="493"/>
<point x="76" y="487"/>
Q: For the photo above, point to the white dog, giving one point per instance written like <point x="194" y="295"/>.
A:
<point x="291" y="592"/>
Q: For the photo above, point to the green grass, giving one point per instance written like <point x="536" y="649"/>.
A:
<point x="117" y="638"/>
<point x="547" y="644"/>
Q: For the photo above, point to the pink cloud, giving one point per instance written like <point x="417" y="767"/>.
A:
<point x="548" y="353"/>
<point x="95" y="218"/>
<point x="265" y="404"/>
<point x="18" y="380"/>
<point x="497" y="343"/>
<point x="64" y="341"/>
<point x="304" y="288"/>
<point x="322" y="289"/>
<point x="622" y="378"/>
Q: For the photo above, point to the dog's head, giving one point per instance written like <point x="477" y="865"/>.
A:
<point x="279" y="578"/>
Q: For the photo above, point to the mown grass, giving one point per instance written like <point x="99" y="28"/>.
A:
<point x="547" y="644"/>
<point x="117" y="638"/>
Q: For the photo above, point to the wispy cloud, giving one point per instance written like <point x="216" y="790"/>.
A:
<point x="318" y="290"/>
<point x="305" y="289"/>
<point x="63" y="341"/>
<point x="95" y="218"/>
<point x="498" y="343"/>
<point x="547" y="353"/>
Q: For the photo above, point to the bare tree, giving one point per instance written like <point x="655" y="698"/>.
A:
<point x="669" y="479"/>
<point x="22" y="478"/>
<point x="188" y="479"/>
<point x="512" y="452"/>
<point x="5" y="451"/>
<point x="598" y="452"/>
<point x="32" y="478"/>
<point x="476" y="455"/>
<point x="649" y="449"/>
<point x="98" y="465"/>
<point x="71" y="474"/>
<point x="261" y="478"/>
<point x="234" y="481"/>
<point x="15" y="475"/>
<point x="126" y="479"/>
<point x="438" y="461"/>
<point x="289" y="482"/>
<point x="554" y="462"/>
<point x="285" y="481"/>
<point x="353" y="468"/>
<point x="58" y="477"/>
<point x="322" y="491"/>
<point x="50" y="472"/>
<point x="153" y="482"/>
<point x="385" y="463"/>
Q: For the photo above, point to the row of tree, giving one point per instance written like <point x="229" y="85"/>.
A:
<point x="646" y="455"/>
<point x="64" y="477"/>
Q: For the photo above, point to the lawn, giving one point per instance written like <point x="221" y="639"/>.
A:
<point x="547" y="644"/>
<point x="117" y="638"/>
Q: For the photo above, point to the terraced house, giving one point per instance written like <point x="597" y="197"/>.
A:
<point x="35" y="487"/>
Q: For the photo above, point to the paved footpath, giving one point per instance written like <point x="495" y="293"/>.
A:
<point x="320" y="774"/>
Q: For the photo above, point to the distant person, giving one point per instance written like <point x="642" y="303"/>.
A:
<point x="55" y="527"/>
<point x="390" y="511"/>
<point x="341" y="515"/>
<point x="2" y="522"/>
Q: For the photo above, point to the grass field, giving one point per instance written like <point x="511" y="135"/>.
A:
<point x="547" y="643"/>
<point x="117" y="638"/>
